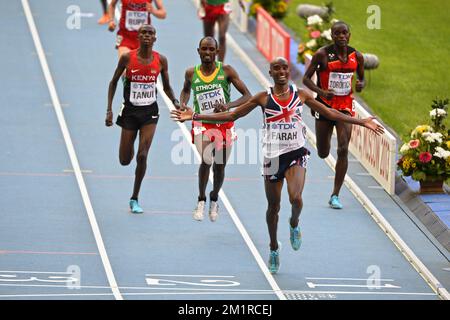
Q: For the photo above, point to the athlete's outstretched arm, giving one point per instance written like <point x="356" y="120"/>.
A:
<point x="112" y="13"/>
<point x="121" y="65"/>
<point x="317" y="62"/>
<point x="159" y="11"/>
<point x="259" y="99"/>
<point x="186" y="91"/>
<point x="233" y="77"/>
<point x="360" y="83"/>
<point x="166" y="83"/>
<point x="335" y="115"/>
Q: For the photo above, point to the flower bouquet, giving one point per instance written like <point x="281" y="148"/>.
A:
<point x="426" y="154"/>
<point x="276" y="8"/>
<point x="319" y="33"/>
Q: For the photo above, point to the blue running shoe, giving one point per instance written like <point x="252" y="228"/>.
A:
<point x="334" y="202"/>
<point x="134" y="206"/>
<point x="274" y="260"/>
<point x="295" y="237"/>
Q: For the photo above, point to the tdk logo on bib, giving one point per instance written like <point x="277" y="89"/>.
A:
<point x="143" y="86"/>
<point x="208" y="100"/>
<point x="210" y="95"/>
<point x="282" y="126"/>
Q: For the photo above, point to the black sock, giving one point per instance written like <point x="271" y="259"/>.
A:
<point x="201" y="199"/>
<point x="133" y="199"/>
<point x="213" y="199"/>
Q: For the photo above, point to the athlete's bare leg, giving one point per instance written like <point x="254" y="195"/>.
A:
<point x="146" y="135"/>
<point x="220" y="161"/>
<point x="344" y="133"/>
<point x="273" y="195"/>
<point x="204" y="147"/>
<point x="295" y="178"/>
<point x="223" y="22"/>
<point x="208" y="28"/>
<point x="126" y="147"/>
<point x="122" y="50"/>
<point x="324" y="130"/>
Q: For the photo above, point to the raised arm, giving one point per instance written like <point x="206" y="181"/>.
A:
<point x="335" y="115"/>
<point x="112" y="14"/>
<point x="186" y="91"/>
<point x="238" y="112"/>
<point x="122" y="64"/>
<point x="360" y="83"/>
<point x="166" y="83"/>
<point x="233" y="77"/>
<point x="318" y="62"/>
<point x="158" y="10"/>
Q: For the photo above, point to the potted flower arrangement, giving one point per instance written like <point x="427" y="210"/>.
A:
<point x="276" y="8"/>
<point x="426" y="154"/>
<point x="319" y="32"/>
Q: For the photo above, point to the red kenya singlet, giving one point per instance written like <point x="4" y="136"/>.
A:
<point x="140" y="84"/>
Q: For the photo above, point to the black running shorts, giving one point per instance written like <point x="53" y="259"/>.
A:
<point x="274" y="168"/>
<point x="133" y="118"/>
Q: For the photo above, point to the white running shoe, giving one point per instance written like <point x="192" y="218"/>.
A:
<point x="198" y="211"/>
<point x="213" y="211"/>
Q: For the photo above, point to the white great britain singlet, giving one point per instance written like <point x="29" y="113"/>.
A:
<point x="283" y="127"/>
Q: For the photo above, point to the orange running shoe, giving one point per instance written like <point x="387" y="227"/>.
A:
<point x="104" y="19"/>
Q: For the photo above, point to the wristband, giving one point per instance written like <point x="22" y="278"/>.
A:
<point x="175" y="100"/>
<point x="195" y="116"/>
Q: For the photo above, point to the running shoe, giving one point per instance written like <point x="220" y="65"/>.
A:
<point x="104" y="19"/>
<point x="198" y="211"/>
<point x="274" y="260"/>
<point x="134" y="206"/>
<point x="213" y="211"/>
<point x="334" y="202"/>
<point x="295" y="236"/>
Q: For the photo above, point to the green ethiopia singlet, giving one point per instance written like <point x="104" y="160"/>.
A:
<point x="210" y="90"/>
<point x="216" y="2"/>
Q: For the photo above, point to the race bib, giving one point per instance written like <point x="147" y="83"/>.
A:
<point x="135" y="19"/>
<point x="227" y="7"/>
<point x="208" y="100"/>
<point x="142" y="93"/>
<point x="340" y="83"/>
<point x="284" y="135"/>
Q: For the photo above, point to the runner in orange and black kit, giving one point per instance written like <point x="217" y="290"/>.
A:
<point x="335" y="65"/>
<point x="133" y="15"/>
<point x="139" y="112"/>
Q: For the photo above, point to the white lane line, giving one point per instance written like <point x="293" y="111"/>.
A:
<point x="39" y="272"/>
<point x="387" y="286"/>
<point x="218" y="293"/>
<point x="228" y="206"/>
<point x="44" y="295"/>
<point x="410" y="256"/>
<point x="71" y="150"/>
<point x="345" y="279"/>
<point x="193" y="291"/>
<point x="188" y="275"/>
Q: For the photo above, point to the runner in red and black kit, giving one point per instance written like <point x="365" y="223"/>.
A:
<point x="335" y="65"/>
<point x="133" y="15"/>
<point x="217" y="11"/>
<point x="139" y="112"/>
